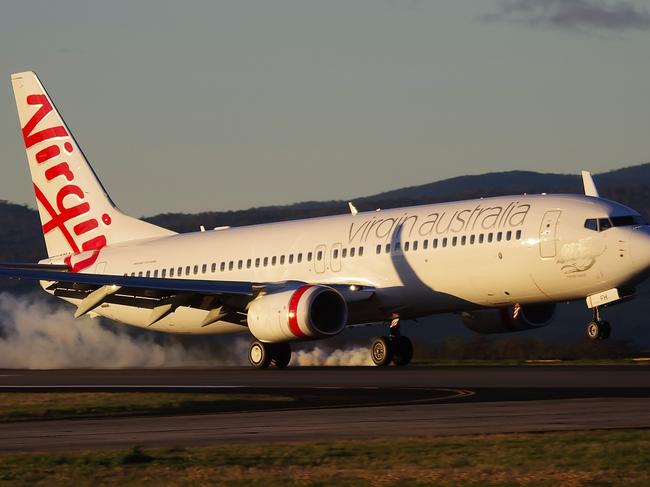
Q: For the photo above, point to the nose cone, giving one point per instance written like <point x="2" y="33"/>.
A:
<point x="640" y="249"/>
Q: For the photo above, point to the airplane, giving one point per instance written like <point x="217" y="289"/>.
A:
<point x="501" y="263"/>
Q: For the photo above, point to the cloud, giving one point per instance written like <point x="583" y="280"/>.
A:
<point x="574" y="14"/>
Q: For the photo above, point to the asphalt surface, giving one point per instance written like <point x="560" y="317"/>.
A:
<point x="344" y="403"/>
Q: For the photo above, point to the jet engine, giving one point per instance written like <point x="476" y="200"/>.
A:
<point x="300" y="313"/>
<point x="509" y="319"/>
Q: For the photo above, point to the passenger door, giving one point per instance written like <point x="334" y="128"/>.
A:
<point x="548" y="234"/>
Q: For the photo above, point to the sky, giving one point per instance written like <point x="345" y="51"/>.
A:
<point x="221" y="105"/>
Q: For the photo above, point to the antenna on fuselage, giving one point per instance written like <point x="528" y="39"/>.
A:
<point x="353" y="209"/>
<point x="588" y="183"/>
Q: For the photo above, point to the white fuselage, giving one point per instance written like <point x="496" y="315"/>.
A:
<point x="421" y="260"/>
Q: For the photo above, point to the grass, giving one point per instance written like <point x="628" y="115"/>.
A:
<point x="599" y="458"/>
<point x="16" y="406"/>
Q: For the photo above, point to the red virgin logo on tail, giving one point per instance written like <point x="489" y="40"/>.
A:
<point x="58" y="171"/>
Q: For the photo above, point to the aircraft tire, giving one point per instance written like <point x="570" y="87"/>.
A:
<point x="381" y="351"/>
<point x="599" y="330"/>
<point x="259" y="355"/>
<point x="403" y="351"/>
<point x="606" y="330"/>
<point x="280" y="355"/>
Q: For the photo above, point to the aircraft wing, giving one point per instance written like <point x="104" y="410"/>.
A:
<point x="162" y="295"/>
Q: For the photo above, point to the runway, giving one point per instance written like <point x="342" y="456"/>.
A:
<point x="344" y="403"/>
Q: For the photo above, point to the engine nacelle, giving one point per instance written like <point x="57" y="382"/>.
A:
<point x="509" y="319"/>
<point x="303" y="313"/>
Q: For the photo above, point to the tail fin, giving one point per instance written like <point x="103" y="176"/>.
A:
<point x="76" y="213"/>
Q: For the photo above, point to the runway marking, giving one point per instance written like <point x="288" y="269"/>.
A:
<point x="115" y="386"/>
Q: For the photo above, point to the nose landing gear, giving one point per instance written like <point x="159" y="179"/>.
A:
<point x="394" y="348"/>
<point x="598" y="329"/>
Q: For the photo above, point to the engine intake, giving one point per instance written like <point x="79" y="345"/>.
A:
<point x="303" y="313"/>
<point x="509" y="319"/>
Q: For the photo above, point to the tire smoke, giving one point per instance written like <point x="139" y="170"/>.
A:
<point x="37" y="333"/>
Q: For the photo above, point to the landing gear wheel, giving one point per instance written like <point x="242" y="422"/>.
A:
<point x="381" y="351"/>
<point x="599" y="330"/>
<point x="403" y="350"/>
<point x="280" y="355"/>
<point x="259" y="355"/>
<point x="606" y="330"/>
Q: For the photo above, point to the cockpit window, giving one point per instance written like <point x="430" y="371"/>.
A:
<point x="592" y="224"/>
<point x="627" y="221"/>
<point x="602" y="224"/>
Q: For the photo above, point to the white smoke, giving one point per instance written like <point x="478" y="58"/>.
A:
<point x="318" y="356"/>
<point x="38" y="334"/>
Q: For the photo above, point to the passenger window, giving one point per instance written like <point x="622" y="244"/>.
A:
<point x="406" y="246"/>
<point x="299" y="258"/>
<point x="171" y="272"/>
<point x="508" y="235"/>
<point x="472" y="239"/>
<point x="387" y="248"/>
<point x="454" y="241"/>
<point x="155" y="273"/>
<point x="231" y="265"/>
<point x="425" y="244"/>
<point x="415" y="245"/>
<point x="290" y="258"/>
<point x="480" y="238"/>
<point x="335" y="254"/>
<point x="398" y="247"/>
<point x="133" y="274"/>
<point x="310" y="255"/>
<point x="222" y="266"/>
<point x="196" y="269"/>
<point x="274" y="260"/>
<point x="266" y="261"/>
<point x="518" y="234"/>
<point x="140" y="274"/>
<point x="187" y="270"/>
<point x="344" y="253"/>
<point x="213" y="268"/>
<point x="249" y="263"/>
<point x="463" y="240"/>
<point x="180" y="271"/>
<point x="164" y="273"/>
<point x="148" y="274"/>
<point x="282" y="260"/>
<point x="204" y="268"/>
<point x="435" y="243"/>
<point x="352" y="252"/>
<point x="444" y="242"/>
<point x="319" y="255"/>
<point x="378" y="249"/>
<point x="490" y="237"/>
<point x="360" y="251"/>
<point x="499" y="236"/>
<point x="257" y="262"/>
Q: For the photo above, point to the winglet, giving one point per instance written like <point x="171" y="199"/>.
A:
<point x="588" y="183"/>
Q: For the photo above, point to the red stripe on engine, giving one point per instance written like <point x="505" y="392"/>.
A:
<point x="293" y="311"/>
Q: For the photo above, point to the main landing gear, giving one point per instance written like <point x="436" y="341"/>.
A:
<point x="394" y="348"/>
<point x="597" y="329"/>
<point x="262" y="355"/>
